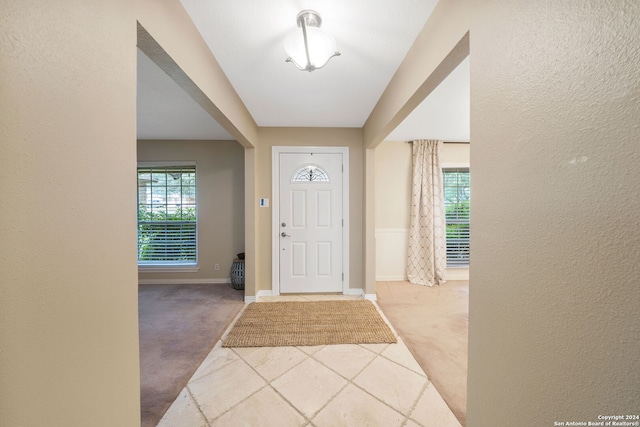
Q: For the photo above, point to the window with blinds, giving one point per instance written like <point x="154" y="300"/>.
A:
<point x="167" y="215"/>
<point x="456" y="201"/>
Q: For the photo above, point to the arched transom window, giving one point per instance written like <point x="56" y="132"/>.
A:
<point x="310" y="173"/>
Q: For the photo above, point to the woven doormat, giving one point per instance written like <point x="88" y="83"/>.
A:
<point x="288" y="323"/>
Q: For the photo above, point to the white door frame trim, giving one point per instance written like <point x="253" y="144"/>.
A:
<point x="275" y="209"/>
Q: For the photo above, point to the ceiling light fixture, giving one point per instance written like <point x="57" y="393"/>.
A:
<point x="315" y="48"/>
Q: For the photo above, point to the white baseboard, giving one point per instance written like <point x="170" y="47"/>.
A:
<point x="396" y="278"/>
<point x="263" y="293"/>
<point x="360" y="292"/>
<point x="458" y="273"/>
<point x="451" y="274"/>
<point x="183" y="281"/>
<point x="354" y="291"/>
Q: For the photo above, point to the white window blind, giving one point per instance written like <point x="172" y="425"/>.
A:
<point x="167" y="215"/>
<point x="457" y="201"/>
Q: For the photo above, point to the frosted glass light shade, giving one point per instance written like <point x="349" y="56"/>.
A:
<point x="322" y="47"/>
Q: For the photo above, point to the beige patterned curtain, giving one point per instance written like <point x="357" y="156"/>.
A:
<point x="427" y="258"/>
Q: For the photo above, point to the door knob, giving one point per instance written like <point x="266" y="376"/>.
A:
<point x="283" y="234"/>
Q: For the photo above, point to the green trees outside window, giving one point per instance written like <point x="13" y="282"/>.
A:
<point x="457" y="201"/>
<point x="167" y="215"/>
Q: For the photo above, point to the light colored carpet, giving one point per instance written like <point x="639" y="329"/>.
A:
<point x="293" y="323"/>
<point x="434" y="323"/>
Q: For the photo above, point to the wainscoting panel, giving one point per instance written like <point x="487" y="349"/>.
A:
<point x="391" y="257"/>
<point x="391" y="254"/>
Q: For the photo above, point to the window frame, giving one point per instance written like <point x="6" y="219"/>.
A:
<point x="171" y="266"/>
<point x="457" y="166"/>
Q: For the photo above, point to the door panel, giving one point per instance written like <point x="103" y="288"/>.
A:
<point x="324" y="209"/>
<point x="323" y="249"/>
<point x="310" y="235"/>
<point x="298" y="209"/>
<point x="298" y="259"/>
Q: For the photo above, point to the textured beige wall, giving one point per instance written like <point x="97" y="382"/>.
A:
<point x="393" y="179"/>
<point x="220" y="186"/>
<point x="369" y="216"/>
<point x="342" y="137"/>
<point x="393" y="184"/>
<point x="554" y="320"/>
<point x="250" y="221"/>
<point x="456" y="154"/>
<point x="68" y="275"/>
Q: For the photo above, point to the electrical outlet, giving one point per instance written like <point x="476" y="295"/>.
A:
<point x="216" y="266"/>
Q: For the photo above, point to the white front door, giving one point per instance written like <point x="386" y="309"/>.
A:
<point x="310" y="224"/>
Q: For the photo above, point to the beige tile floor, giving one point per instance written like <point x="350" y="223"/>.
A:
<point x="333" y="385"/>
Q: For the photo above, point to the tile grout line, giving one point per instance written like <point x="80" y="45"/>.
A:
<point x="307" y="419"/>
<point x="422" y="373"/>
<point x="237" y="404"/>
<point x="206" y="420"/>
<point x="328" y="401"/>
<point x="415" y="403"/>
<point x="280" y="375"/>
<point x="216" y="347"/>
<point x="380" y="400"/>
<point x="269" y="382"/>
<point x="358" y="373"/>
<point x="350" y="381"/>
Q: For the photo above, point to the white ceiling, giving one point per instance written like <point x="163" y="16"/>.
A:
<point x="246" y="38"/>
<point x="444" y="114"/>
<point x="165" y="111"/>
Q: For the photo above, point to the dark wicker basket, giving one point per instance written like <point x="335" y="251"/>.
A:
<point x="237" y="274"/>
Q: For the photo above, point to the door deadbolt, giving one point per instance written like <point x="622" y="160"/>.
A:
<point x="284" y="224"/>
